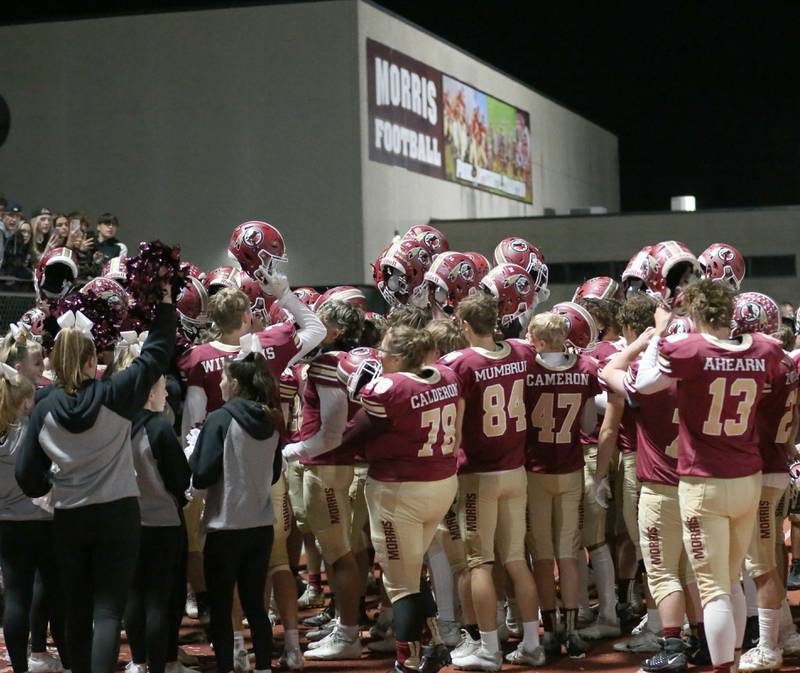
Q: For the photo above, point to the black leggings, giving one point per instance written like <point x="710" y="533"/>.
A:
<point x="177" y="596"/>
<point x="238" y="557"/>
<point x="25" y="547"/>
<point x="98" y="546"/>
<point x="148" y="613"/>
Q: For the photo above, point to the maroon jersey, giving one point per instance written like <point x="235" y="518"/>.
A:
<point x="421" y="412"/>
<point x="720" y="385"/>
<point x="280" y="343"/>
<point x="202" y="367"/>
<point x="774" y="418"/>
<point x="656" y="431"/>
<point x="322" y="372"/>
<point x="555" y="396"/>
<point x="602" y="352"/>
<point x="493" y="387"/>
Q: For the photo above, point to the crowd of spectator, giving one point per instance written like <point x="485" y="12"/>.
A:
<point x="25" y="241"/>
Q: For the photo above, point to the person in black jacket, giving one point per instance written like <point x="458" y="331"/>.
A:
<point x="163" y="475"/>
<point x="236" y="458"/>
<point x="78" y="443"/>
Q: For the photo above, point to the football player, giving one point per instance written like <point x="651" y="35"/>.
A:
<point x="416" y="411"/>
<point x="721" y="382"/>
<point x="492" y="482"/>
<point x="560" y="392"/>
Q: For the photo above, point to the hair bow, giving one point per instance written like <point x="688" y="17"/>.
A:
<point x="18" y="329"/>
<point x="130" y="340"/>
<point x="9" y="373"/>
<point x="249" y="343"/>
<point x="76" y="320"/>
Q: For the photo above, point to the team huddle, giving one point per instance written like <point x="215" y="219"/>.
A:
<point x="491" y="461"/>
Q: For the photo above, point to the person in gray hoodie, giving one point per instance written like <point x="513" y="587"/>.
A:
<point x="26" y="533"/>
<point x="236" y="458"/>
<point x="78" y="443"/>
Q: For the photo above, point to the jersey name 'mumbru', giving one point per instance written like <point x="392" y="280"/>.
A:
<point x="505" y="369"/>
<point x="434" y="395"/>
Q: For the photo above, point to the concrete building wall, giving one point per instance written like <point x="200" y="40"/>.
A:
<point x="575" y="162"/>
<point x="763" y="232"/>
<point x="186" y="124"/>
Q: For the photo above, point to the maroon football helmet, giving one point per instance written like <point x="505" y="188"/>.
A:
<point x="482" y="265"/>
<point x="308" y="295"/>
<point x="112" y="293"/>
<point x="582" y="327"/>
<point x="429" y="238"/>
<point x="223" y="276"/>
<point x="56" y="273"/>
<point x="678" y="266"/>
<point x="514" y="290"/>
<point x="115" y="269"/>
<point x="721" y="261"/>
<point x="643" y="274"/>
<point x="518" y="251"/>
<point x="192" y="307"/>
<point x="357" y="368"/>
<point x="755" y="312"/>
<point x="255" y="244"/>
<point x="452" y="277"/>
<point x="600" y="287"/>
<point x="345" y="293"/>
<point x="260" y="301"/>
<point x="403" y="269"/>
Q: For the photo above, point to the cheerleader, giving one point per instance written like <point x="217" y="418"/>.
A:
<point x="236" y="459"/>
<point x="78" y="443"/>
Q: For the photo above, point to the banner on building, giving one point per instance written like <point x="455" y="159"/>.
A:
<point x="431" y="123"/>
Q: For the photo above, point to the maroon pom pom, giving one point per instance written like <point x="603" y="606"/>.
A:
<point x="155" y="264"/>
<point x="105" y="330"/>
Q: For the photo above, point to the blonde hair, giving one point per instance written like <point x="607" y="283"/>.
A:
<point x="447" y="335"/>
<point x="550" y="328"/>
<point x="14" y="351"/>
<point x="227" y="308"/>
<point x="411" y="345"/>
<point x="71" y="352"/>
<point x="710" y="302"/>
<point x="479" y="311"/>
<point x="12" y="394"/>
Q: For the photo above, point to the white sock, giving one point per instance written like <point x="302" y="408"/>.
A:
<point x="443" y="586"/>
<point x="489" y="641"/>
<point x="739" y="605"/>
<point x="787" y="623"/>
<point x="583" y="574"/>
<point x="603" y="566"/>
<point x="720" y="629"/>
<point x="768" y="623"/>
<point x="530" y="636"/>
<point x="348" y="632"/>
<point x="654" y="621"/>
<point x="238" y="638"/>
<point x="292" y="639"/>
<point x="750" y="595"/>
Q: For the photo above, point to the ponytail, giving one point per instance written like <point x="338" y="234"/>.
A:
<point x="71" y="352"/>
<point x="14" y="390"/>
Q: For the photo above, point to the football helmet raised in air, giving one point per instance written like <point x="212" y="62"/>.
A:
<point x="678" y="266"/>
<point x="600" y="287"/>
<point x="255" y="244"/>
<point x="429" y="238"/>
<point x="112" y="293"/>
<point x="34" y="319"/>
<point x="56" y="273"/>
<point x="192" y="307"/>
<point x="721" y="261"/>
<point x="482" y="265"/>
<point x="115" y="269"/>
<point x="260" y="301"/>
<point x="308" y="295"/>
<point x="514" y="290"/>
<point x="345" y="293"/>
<point x="755" y="312"/>
<point x="680" y="325"/>
<point x="522" y="253"/>
<point x="583" y="331"/>
<point x="223" y="276"/>
<point x="357" y="368"/>
<point x="452" y="277"/>
<point x="403" y="269"/>
<point x="643" y="274"/>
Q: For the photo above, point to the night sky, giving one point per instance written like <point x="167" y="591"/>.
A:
<point x="704" y="96"/>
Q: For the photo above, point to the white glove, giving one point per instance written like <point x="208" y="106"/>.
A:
<point x="602" y="493"/>
<point x="291" y="452"/>
<point x="274" y="284"/>
<point x="191" y="440"/>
